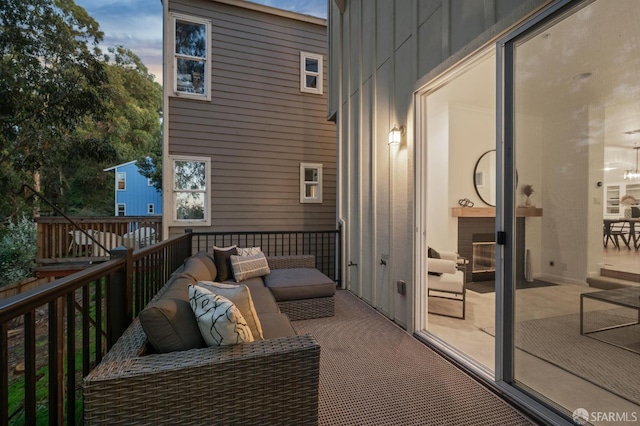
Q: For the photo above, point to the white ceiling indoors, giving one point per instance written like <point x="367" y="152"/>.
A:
<point x="589" y="58"/>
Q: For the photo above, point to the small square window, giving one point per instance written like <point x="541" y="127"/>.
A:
<point x="122" y="210"/>
<point x="310" y="183"/>
<point x="311" y="73"/>
<point x="151" y="208"/>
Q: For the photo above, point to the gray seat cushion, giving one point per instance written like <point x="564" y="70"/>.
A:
<point x="275" y="325"/>
<point x="299" y="283"/>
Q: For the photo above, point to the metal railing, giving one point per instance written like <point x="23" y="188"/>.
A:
<point x="52" y="336"/>
<point x="324" y="245"/>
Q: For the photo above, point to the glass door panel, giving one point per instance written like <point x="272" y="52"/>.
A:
<point x="576" y="95"/>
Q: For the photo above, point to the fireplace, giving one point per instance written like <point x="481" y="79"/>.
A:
<point x="483" y="257"/>
<point x="481" y="231"/>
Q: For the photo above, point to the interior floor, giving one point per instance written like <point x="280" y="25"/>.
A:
<point x="556" y="384"/>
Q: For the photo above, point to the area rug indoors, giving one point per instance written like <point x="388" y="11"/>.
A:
<point x="374" y="373"/>
<point x="490" y="286"/>
<point x="557" y="340"/>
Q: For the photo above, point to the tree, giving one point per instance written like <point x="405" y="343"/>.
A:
<point x="130" y="129"/>
<point x="51" y="81"/>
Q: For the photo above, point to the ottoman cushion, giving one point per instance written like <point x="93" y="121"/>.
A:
<point x="299" y="283"/>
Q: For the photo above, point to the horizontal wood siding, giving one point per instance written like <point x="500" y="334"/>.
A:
<point x="258" y="127"/>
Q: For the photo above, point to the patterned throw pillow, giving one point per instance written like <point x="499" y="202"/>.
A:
<point x="239" y="295"/>
<point x="220" y="322"/>
<point x="249" y="251"/>
<point x="245" y="267"/>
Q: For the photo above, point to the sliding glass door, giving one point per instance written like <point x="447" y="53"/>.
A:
<point x="568" y="307"/>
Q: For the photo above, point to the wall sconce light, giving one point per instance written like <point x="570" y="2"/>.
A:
<point x="395" y="135"/>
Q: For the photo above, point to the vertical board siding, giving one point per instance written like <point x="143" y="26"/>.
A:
<point x="258" y="126"/>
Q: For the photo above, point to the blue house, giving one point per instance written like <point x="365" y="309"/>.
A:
<point x="135" y="194"/>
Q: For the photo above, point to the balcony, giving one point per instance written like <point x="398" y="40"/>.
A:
<point x="371" y="371"/>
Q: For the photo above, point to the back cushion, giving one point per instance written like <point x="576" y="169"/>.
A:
<point x="223" y="263"/>
<point x="201" y="267"/>
<point x="169" y="323"/>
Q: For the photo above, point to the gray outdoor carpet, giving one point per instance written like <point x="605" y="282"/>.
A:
<point x="557" y="340"/>
<point x="374" y="373"/>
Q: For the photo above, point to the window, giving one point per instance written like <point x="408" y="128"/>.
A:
<point x="122" y="210"/>
<point x="310" y="183"/>
<point x="121" y="181"/>
<point x="191" y="196"/>
<point x="151" y="208"/>
<point x="191" y="64"/>
<point x="149" y="182"/>
<point x="310" y="73"/>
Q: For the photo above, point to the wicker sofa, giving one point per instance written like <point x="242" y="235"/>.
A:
<point x="270" y="381"/>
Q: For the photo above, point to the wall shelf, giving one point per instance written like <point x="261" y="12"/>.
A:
<point x="491" y="212"/>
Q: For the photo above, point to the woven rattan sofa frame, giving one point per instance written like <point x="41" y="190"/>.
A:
<point x="271" y="381"/>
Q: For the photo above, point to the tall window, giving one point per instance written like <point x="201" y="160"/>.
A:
<point x="121" y="209"/>
<point x="121" y="181"/>
<point x="191" y="53"/>
<point x="191" y="192"/>
<point x="310" y="73"/>
<point x="310" y="183"/>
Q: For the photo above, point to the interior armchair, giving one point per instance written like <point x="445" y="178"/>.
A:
<point x="447" y="280"/>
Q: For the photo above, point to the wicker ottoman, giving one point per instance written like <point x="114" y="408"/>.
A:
<point x="302" y="293"/>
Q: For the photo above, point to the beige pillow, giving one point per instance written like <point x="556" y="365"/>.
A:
<point x="245" y="267"/>
<point x="249" y="251"/>
<point x="239" y="295"/>
<point x="219" y="320"/>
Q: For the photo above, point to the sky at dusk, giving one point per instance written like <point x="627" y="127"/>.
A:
<point x="137" y="24"/>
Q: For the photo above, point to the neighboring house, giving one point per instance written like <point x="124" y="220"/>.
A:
<point x="135" y="194"/>
<point x="487" y="97"/>
<point x="247" y="143"/>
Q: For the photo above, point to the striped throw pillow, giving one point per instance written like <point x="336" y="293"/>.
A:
<point x="245" y="267"/>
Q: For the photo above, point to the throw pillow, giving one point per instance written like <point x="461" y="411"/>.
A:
<point x="249" y="251"/>
<point x="245" y="267"/>
<point x="239" y="295"/>
<point x="223" y="263"/>
<point x="219" y="320"/>
<point x="432" y="253"/>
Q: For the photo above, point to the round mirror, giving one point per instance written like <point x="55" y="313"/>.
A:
<point x="484" y="177"/>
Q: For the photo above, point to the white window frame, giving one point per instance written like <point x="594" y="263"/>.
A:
<point x="175" y="56"/>
<point x="304" y="73"/>
<point x="124" y="209"/>
<point x="151" y="208"/>
<point x="149" y="182"/>
<point x="206" y="221"/>
<point x="124" y="180"/>
<point x="304" y="183"/>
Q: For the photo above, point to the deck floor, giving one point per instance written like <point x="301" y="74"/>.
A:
<point x="374" y="373"/>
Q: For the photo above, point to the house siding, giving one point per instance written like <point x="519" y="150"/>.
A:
<point x="381" y="53"/>
<point x="258" y="126"/>
<point x="137" y="194"/>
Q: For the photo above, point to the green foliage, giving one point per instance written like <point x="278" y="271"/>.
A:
<point x="17" y="250"/>
<point x="66" y="110"/>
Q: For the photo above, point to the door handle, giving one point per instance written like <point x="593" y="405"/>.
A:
<point x="352" y="264"/>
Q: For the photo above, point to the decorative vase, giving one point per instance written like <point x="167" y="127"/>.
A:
<point x="527" y="202"/>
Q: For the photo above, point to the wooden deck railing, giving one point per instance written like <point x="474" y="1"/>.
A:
<point x="60" y="241"/>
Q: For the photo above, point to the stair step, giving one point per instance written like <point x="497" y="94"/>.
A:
<point x="610" y="283"/>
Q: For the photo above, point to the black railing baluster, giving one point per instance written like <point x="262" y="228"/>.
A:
<point x="86" y="338"/>
<point x="71" y="360"/>
<point x="4" y="377"/>
<point x="56" y="361"/>
<point x="98" y="319"/>
<point x="30" y="367"/>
